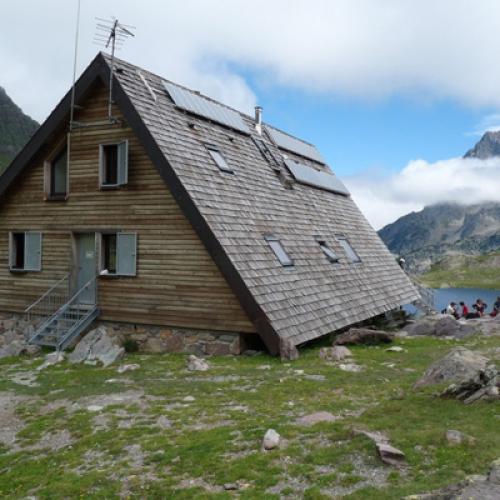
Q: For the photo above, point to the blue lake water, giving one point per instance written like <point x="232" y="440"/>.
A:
<point x="443" y="296"/>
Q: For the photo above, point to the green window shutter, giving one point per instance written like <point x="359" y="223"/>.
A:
<point x="123" y="163"/>
<point x="33" y="251"/>
<point x="126" y="254"/>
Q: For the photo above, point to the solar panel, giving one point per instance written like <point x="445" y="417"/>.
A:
<point x="294" y="145"/>
<point x="307" y="175"/>
<point x="189" y="101"/>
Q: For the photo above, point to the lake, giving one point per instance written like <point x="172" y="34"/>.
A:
<point x="443" y="296"/>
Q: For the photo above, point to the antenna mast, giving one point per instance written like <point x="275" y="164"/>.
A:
<point x="111" y="33"/>
<point x="72" y="111"/>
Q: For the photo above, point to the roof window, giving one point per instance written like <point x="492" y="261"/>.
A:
<point x="348" y="249"/>
<point x="330" y="254"/>
<point x="219" y="160"/>
<point x="279" y="251"/>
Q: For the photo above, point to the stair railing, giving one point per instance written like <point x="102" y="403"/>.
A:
<point x="79" y="309"/>
<point x="52" y="300"/>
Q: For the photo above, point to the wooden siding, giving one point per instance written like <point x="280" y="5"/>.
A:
<point x="177" y="283"/>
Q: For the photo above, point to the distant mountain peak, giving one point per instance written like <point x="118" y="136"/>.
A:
<point x="486" y="147"/>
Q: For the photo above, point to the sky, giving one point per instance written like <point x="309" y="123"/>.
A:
<point x="392" y="92"/>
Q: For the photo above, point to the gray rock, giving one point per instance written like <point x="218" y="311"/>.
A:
<point x="456" y="437"/>
<point x="440" y="325"/>
<point x="99" y="346"/>
<point x="15" y="348"/>
<point x="288" y="351"/>
<point x="271" y="440"/>
<point x="335" y="353"/>
<point x="390" y="455"/>
<point x="128" y="368"/>
<point x="363" y="336"/>
<point x="51" y="359"/>
<point x="494" y="473"/>
<point x="479" y="385"/>
<point x="197" y="364"/>
<point x="155" y="346"/>
<point x="319" y="416"/>
<point x="459" y="365"/>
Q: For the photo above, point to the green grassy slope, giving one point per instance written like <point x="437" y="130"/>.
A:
<point x="464" y="271"/>
<point x="89" y="432"/>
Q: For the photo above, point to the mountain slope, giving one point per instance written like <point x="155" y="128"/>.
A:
<point x="488" y="146"/>
<point x="424" y="237"/>
<point x="15" y="129"/>
<point x="465" y="271"/>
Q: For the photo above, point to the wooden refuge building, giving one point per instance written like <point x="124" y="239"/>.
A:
<point x="178" y="212"/>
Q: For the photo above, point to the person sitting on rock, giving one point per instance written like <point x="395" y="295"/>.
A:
<point x="496" y="308"/>
<point x="464" y="310"/>
<point x="452" y="310"/>
<point x="479" y="306"/>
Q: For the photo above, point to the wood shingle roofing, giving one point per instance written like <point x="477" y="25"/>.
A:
<point x="233" y="212"/>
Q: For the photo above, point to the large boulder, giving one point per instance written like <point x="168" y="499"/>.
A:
<point x="459" y="365"/>
<point x="363" y="336"/>
<point x="440" y="325"/>
<point x="97" y="346"/>
<point x="335" y="353"/>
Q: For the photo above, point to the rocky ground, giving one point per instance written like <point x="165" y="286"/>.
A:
<point x="352" y="420"/>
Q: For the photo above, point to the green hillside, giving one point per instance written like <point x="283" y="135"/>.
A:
<point x="16" y="128"/>
<point x="465" y="271"/>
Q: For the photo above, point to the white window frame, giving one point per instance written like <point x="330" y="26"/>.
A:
<point x="121" y="176"/>
<point x="38" y="266"/>
<point x="118" y="272"/>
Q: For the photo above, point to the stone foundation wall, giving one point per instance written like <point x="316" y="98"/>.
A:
<point x="157" y="339"/>
<point x="152" y="339"/>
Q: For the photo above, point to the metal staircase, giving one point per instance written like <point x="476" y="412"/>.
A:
<point x="61" y="315"/>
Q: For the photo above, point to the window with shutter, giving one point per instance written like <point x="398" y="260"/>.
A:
<point x="113" y="164"/>
<point x="118" y="254"/>
<point x="126" y="254"/>
<point x="25" y="251"/>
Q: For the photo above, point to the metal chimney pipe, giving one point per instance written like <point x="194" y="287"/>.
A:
<point x="258" y="119"/>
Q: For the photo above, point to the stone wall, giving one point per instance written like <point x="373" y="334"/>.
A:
<point x="156" y="339"/>
<point x="147" y="338"/>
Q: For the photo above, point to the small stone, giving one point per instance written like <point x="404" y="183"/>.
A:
<point x="194" y="363"/>
<point x="319" y="416"/>
<point x="231" y="486"/>
<point x="94" y="408"/>
<point x="128" y="368"/>
<point x="494" y="473"/>
<point x="350" y="367"/>
<point x="298" y="372"/>
<point x="271" y="440"/>
<point x="456" y="437"/>
<point x="163" y="422"/>
<point x="390" y="455"/>
<point x="395" y="348"/>
<point x="189" y="399"/>
<point x="264" y="367"/>
<point x="363" y="336"/>
<point x="51" y="359"/>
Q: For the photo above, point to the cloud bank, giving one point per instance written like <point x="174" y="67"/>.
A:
<point x="359" y="48"/>
<point x="460" y="180"/>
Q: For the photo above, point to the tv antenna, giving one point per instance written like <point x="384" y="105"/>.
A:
<point x="112" y="34"/>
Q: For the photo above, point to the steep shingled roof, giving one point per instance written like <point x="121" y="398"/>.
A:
<point x="233" y="212"/>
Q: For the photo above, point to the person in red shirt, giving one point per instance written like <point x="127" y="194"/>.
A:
<point x="464" y="310"/>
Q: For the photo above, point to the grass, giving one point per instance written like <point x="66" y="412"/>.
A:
<point x="215" y="439"/>
<point x="460" y="271"/>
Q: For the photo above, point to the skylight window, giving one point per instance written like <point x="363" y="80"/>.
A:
<point x="279" y="251"/>
<point x="330" y="254"/>
<point x="219" y="160"/>
<point x="348" y="249"/>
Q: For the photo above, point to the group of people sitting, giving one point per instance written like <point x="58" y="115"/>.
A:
<point x="479" y="309"/>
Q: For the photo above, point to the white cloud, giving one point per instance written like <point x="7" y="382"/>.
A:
<point x="489" y="122"/>
<point x="360" y="48"/>
<point x="459" y="180"/>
